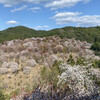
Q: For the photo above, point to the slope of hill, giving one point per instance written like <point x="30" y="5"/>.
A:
<point x="63" y="66"/>
<point x="91" y="34"/>
<point x="19" y="32"/>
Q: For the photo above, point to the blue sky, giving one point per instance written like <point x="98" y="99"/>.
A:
<point x="49" y="14"/>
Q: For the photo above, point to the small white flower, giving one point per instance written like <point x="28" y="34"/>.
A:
<point x="78" y="79"/>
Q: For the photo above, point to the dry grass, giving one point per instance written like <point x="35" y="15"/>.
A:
<point x="19" y="80"/>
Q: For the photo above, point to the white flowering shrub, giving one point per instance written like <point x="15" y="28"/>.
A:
<point x="78" y="78"/>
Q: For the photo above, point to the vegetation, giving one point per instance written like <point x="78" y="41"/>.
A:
<point x="96" y="64"/>
<point x="80" y="61"/>
<point x="2" y="96"/>
<point x="71" y="60"/>
<point x="91" y="34"/>
<point x="96" y="48"/>
<point x="49" y="75"/>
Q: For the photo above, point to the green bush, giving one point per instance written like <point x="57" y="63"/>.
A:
<point x="50" y="75"/>
<point x="96" y="47"/>
<point x="7" y="97"/>
<point x="2" y="97"/>
<point x="71" y="60"/>
<point x="80" y="61"/>
<point x="28" y="88"/>
<point x="96" y="64"/>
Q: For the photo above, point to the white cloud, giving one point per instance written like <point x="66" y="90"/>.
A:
<point x="7" y="5"/>
<point x="11" y="22"/>
<point x="44" y="27"/>
<point x="19" y="9"/>
<point x="15" y="2"/>
<point x="34" y="9"/>
<point x="66" y="14"/>
<point x="53" y="4"/>
<point x="77" y="18"/>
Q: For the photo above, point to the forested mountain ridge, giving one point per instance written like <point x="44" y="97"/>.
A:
<point x="90" y="34"/>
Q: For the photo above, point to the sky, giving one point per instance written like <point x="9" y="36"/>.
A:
<point x="49" y="14"/>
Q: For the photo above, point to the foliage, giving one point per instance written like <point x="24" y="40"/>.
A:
<point x="7" y="97"/>
<point x="34" y="85"/>
<point x="50" y="74"/>
<point x="2" y="96"/>
<point x="28" y="88"/>
<point x="80" y="61"/>
<point x="96" y="48"/>
<point x="96" y="64"/>
<point x="15" y="92"/>
<point x="90" y="34"/>
<point x="78" y="79"/>
<point x="71" y="60"/>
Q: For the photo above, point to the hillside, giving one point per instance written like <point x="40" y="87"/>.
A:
<point x="19" y="32"/>
<point x="91" y="34"/>
<point x="39" y="65"/>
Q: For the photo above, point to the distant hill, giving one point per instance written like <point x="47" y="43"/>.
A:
<point x="19" y="32"/>
<point x="90" y="34"/>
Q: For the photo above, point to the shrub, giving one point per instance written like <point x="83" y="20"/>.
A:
<point x="96" y="47"/>
<point x="7" y="97"/>
<point x="71" y="60"/>
<point x="2" y="96"/>
<point x="50" y="75"/>
<point x="96" y="64"/>
<point x="80" y="61"/>
<point x="28" y="88"/>
<point x="78" y="79"/>
<point x="14" y="93"/>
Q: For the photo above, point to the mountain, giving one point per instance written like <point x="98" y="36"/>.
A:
<point x="19" y="32"/>
<point x="90" y="34"/>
